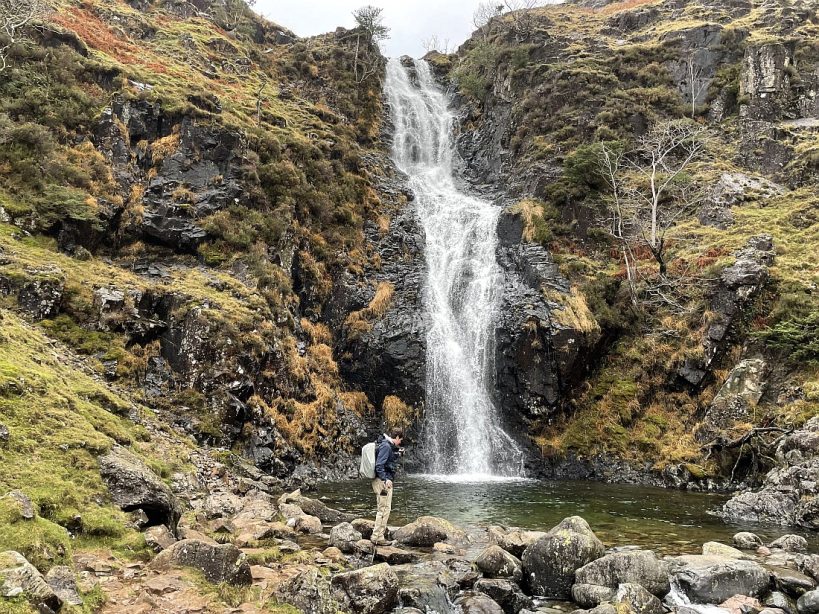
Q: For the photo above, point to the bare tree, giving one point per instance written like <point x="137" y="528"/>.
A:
<point x="523" y="21"/>
<point x="369" y="31"/>
<point x="16" y="19"/>
<point x="696" y="82"/>
<point x="483" y="16"/>
<point x="433" y="43"/>
<point x="651" y="190"/>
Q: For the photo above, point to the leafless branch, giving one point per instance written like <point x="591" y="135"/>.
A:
<point x="16" y="19"/>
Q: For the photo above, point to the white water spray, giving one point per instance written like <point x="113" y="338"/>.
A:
<point x="462" y="433"/>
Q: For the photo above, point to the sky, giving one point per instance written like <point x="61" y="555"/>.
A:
<point x="410" y="21"/>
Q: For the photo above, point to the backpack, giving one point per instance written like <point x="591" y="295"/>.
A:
<point x="367" y="467"/>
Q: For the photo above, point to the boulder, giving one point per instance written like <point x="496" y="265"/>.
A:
<point x="221" y="505"/>
<point x="790" y="543"/>
<point x="370" y="590"/>
<point x="637" y="599"/>
<point x="718" y="549"/>
<point x="747" y="541"/>
<point x="790" y="581"/>
<point x="740" y="604"/>
<point x="549" y="564"/>
<point x="134" y="486"/>
<point x="425" y="531"/>
<point x="290" y="511"/>
<point x="505" y="593"/>
<point x="18" y="577"/>
<point x="23" y="505"/>
<point x="709" y="579"/>
<point x="477" y="603"/>
<point x="63" y="582"/>
<point x="364" y="526"/>
<point x="591" y="595"/>
<point x="514" y="541"/>
<point x="343" y="536"/>
<point x="495" y="562"/>
<point x="217" y="562"/>
<point x="158" y="537"/>
<point x="306" y="524"/>
<point x="808" y="603"/>
<point x="308" y="591"/>
<point x="395" y="556"/>
<point x="41" y="297"/>
<point x="633" y="567"/>
<point x="313" y="507"/>
<point x="780" y="601"/>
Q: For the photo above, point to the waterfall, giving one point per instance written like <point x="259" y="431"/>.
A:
<point x="461" y="433"/>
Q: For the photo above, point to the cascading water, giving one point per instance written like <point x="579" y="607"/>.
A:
<point x="462" y="434"/>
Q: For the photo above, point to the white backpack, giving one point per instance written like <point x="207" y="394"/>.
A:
<point x="367" y="467"/>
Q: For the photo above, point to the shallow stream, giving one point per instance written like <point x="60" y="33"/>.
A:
<point x="666" y="521"/>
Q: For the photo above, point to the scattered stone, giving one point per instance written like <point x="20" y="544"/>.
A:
<point x="364" y="526"/>
<point x="708" y="579"/>
<point x="333" y="554"/>
<point x="40" y="298"/>
<point x="505" y="593"/>
<point x="62" y="581"/>
<point x="221" y="505"/>
<point x="290" y="511"/>
<point x="313" y="507"/>
<point x="808" y="603"/>
<point x="718" y="549"/>
<point x="309" y="591"/>
<point x="158" y="537"/>
<point x="467" y="579"/>
<point x="445" y="548"/>
<point x="343" y="536"/>
<point x="747" y="541"/>
<point x="637" y="599"/>
<point x="740" y="604"/>
<point x="19" y="577"/>
<point x="495" y="562"/>
<point x="163" y="585"/>
<point x="780" y="601"/>
<point x="790" y="581"/>
<point x="307" y="524"/>
<point x="395" y="556"/>
<point x="514" y="541"/>
<point x="134" y="486"/>
<point x="4" y="433"/>
<point x="426" y="531"/>
<point x="218" y="563"/>
<point x="632" y="567"/>
<point x="371" y="590"/>
<point x="790" y="543"/>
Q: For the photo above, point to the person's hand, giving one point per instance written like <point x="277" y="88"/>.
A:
<point x="388" y="484"/>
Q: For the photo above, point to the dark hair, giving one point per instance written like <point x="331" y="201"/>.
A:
<point x="396" y="433"/>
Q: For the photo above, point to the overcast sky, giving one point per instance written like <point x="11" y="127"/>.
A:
<point x="411" y="21"/>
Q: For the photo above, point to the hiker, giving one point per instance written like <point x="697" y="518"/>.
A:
<point x="386" y="459"/>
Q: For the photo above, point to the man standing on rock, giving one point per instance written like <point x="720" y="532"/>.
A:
<point x="386" y="459"/>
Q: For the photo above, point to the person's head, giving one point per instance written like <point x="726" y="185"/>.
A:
<point x="397" y="435"/>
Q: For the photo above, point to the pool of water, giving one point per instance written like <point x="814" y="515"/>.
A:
<point x="667" y="521"/>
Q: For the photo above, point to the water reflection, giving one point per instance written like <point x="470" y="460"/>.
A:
<point x="667" y="521"/>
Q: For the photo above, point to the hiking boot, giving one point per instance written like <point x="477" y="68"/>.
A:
<point x="381" y="542"/>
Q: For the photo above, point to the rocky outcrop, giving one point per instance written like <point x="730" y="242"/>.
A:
<point x="789" y="494"/>
<point x="738" y="286"/>
<point x="732" y="190"/>
<point x="549" y="564"/>
<point x="217" y="562"/>
<point x="134" y="486"/>
<point x="18" y="578"/>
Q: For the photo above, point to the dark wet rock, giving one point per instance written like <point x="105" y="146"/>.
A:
<point x="550" y="563"/>
<point x="637" y="599"/>
<point x="747" y="541"/>
<point x="505" y="593"/>
<point x="217" y="562"/>
<point x="309" y="591"/>
<point x="158" y="538"/>
<point x="426" y="531"/>
<point x="364" y="526"/>
<point x="495" y="562"/>
<point x="591" y="595"/>
<point x="134" y="486"/>
<point x="809" y="564"/>
<point x="395" y="556"/>
<point x="705" y="579"/>
<point x="477" y="603"/>
<point x="40" y="297"/>
<point x="808" y="603"/>
<point x="790" y="543"/>
<point x="370" y="590"/>
<point x="635" y="567"/>
<point x="739" y="284"/>
<point x="18" y="577"/>
<point x="63" y="582"/>
<point x="790" y="581"/>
